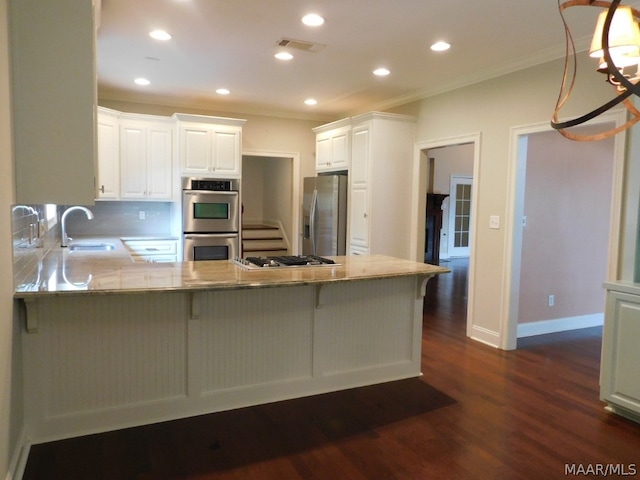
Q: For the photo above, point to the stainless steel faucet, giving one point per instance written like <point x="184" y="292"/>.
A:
<point x="63" y="228"/>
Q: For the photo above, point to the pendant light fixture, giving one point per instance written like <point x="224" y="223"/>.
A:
<point x="616" y="49"/>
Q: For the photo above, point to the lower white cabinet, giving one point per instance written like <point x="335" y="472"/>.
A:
<point x="619" y="385"/>
<point x="152" y="251"/>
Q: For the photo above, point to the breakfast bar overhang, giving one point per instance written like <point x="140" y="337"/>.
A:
<point x="135" y="344"/>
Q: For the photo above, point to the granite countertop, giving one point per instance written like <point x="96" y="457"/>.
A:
<point x="65" y="272"/>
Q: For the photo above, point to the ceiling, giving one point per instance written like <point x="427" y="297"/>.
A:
<point x="231" y="43"/>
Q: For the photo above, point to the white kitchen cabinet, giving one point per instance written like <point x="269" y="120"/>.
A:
<point x="108" y="168"/>
<point x="146" y="152"/>
<point x="54" y="97"/>
<point x="379" y="184"/>
<point x="209" y="146"/>
<point x="333" y="144"/>
<point x="619" y="386"/>
<point x="153" y="251"/>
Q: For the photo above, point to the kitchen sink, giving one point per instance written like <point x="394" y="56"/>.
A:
<point x="91" y="247"/>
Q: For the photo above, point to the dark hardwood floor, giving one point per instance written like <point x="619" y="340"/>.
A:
<point x="477" y="413"/>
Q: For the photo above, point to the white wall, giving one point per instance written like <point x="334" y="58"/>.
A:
<point x="10" y="416"/>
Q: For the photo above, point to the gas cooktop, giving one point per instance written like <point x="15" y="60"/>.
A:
<point x="284" y="261"/>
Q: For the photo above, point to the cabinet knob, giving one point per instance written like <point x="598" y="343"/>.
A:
<point x="102" y="189"/>
<point x="365" y="215"/>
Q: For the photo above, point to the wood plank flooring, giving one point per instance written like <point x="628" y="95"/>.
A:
<point x="477" y="413"/>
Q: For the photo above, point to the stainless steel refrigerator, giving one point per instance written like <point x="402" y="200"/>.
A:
<point x="324" y="215"/>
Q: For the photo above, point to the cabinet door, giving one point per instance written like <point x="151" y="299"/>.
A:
<point x="226" y="152"/>
<point x="332" y="150"/>
<point x="195" y="150"/>
<point x="133" y="161"/>
<point x="108" y="181"/>
<point x="620" y="355"/>
<point x="340" y="150"/>
<point x="360" y="156"/>
<point x="323" y="153"/>
<point x="159" y="163"/>
<point x="359" y="217"/>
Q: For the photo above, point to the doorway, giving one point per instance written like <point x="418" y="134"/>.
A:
<point x="447" y="152"/>
<point x="269" y="189"/>
<point x="552" y="238"/>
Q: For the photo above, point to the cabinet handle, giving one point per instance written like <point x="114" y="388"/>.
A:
<point x="102" y="189"/>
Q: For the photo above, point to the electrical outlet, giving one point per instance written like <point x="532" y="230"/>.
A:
<point x="552" y="300"/>
<point x="142" y="215"/>
<point x="494" y="221"/>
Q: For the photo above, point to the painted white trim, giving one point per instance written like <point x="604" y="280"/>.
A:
<point x="511" y="286"/>
<point x="483" y="335"/>
<point x="418" y="209"/>
<point x="543" y="327"/>
<point x="295" y="190"/>
<point x="19" y="458"/>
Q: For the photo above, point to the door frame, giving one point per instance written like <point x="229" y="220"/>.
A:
<point x="419" y="209"/>
<point x="294" y="157"/>
<point x="515" y="204"/>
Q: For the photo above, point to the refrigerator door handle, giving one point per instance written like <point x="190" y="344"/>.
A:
<point x="312" y="220"/>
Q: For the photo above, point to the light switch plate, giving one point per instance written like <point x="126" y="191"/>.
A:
<point x="494" y="221"/>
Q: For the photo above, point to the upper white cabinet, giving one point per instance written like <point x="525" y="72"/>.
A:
<point x="108" y="164"/>
<point x="135" y="156"/>
<point x="333" y="143"/>
<point x="380" y="162"/>
<point x="146" y="152"/>
<point x="209" y="146"/>
<point x="54" y="100"/>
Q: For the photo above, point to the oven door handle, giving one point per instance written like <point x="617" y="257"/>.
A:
<point x="312" y="220"/>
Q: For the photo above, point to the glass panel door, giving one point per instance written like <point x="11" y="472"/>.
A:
<point x="460" y="216"/>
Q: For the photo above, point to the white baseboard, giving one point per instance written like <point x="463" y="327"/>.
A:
<point x="485" y="336"/>
<point x="542" y="327"/>
<point x="19" y="458"/>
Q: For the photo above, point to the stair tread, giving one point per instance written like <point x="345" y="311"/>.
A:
<point x="259" y="226"/>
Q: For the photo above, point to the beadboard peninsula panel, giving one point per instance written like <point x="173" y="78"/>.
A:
<point x="93" y="356"/>
<point x="242" y="338"/>
<point x="100" y="362"/>
<point x="379" y="309"/>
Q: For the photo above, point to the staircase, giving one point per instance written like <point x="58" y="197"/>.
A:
<point x="263" y="240"/>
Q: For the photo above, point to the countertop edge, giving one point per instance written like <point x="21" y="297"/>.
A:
<point x="213" y="286"/>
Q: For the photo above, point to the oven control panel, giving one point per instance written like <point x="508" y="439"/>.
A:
<point x="209" y="184"/>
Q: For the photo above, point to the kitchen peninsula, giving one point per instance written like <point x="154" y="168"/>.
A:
<point x="110" y="344"/>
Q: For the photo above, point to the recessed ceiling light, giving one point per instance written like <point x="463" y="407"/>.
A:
<point x="311" y="101"/>
<point x="222" y="91"/>
<point x="160" y="35"/>
<point x="440" y="46"/>
<point x="142" y="81"/>
<point x="381" y="72"/>
<point x="312" y="20"/>
<point x="283" y="56"/>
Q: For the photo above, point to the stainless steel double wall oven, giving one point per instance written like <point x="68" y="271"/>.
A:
<point x="210" y="218"/>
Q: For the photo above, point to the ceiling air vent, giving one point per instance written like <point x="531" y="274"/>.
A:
<point x="300" y="45"/>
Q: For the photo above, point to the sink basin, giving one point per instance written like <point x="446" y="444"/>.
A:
<point x="91" y="247"/>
